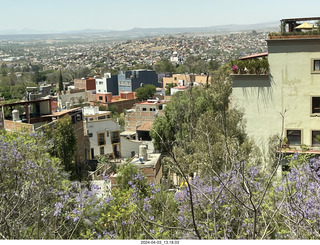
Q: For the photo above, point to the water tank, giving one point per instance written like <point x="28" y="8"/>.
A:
<point x="143" y="152"/>
<point x="15" y="115"/>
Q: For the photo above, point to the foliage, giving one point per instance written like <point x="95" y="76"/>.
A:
<point x="168" y="88"/>
<point x="65" y="143"/>
<point x="250" y="66"/>
<point x="145" y="92"/>
<point x="194" y="119"/>
<point x="37" y="200"/>
<point x="164" y="66"/>
<point x="60" y="82"/>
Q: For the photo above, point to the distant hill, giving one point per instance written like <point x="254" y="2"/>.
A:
<point x="133" y="33"/>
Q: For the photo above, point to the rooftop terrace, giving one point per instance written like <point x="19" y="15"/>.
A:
<point x="297" y="28"/>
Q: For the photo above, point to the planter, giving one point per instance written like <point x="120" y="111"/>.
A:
<point x="294" y="37"/>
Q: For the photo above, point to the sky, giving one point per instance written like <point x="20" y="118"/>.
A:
<point x="66" y="15"/>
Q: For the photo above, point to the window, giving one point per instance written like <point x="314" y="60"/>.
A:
<point x="144" y="109"/>
<point x="108" y="133"/>
<point x="294" y="137"/>
<point x="133" y="153"/>
<point x="315" y="138"/>
<point x="160" y="107"/>
<point x="100" y="83"/>
<point x="315" y="105"/>
<point x="101" y="139"/>
<point x="115" y="137"/>
<point x="101" y="150"/>
<point x="92" y="153"/>
<point x="100" y="98"/>
<point x="315" y="65"/>
<point x="101" y="117"/>
<point x="90" y="134"/>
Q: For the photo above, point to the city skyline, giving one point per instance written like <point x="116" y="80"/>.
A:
<point x="69" y="15"/>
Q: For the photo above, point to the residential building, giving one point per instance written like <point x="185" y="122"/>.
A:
<point x="286" y="101"/>
<point x="34" y="115"/>
<point x="186" y="79"/>
<point x="140" y="118"/>
<point x="131" y="80"/>
<point x="104" y="135"/>
<point x="177" y="89"/>
<point x="107" y="84"/>
<point x="88" y="83"/>
<point x="125" y="100"/>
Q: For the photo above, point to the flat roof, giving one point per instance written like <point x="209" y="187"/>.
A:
<point x="301" y="19"/>
<point x="146" y="126"/>
<point x="24" y="102"/>
<point x="63" y="112"/>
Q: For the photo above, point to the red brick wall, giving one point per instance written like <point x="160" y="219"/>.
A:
<point x="17" y="126"/>
<point x="90" y="83"/>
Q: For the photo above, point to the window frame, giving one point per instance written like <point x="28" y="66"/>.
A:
<point x="312" y="113"/>
<point x="313" y="71"/>
<point x="294" y="129"/>
<point x="312" y="142"/>
<point x="98" y="138"/>
<point x="115" y="140"/>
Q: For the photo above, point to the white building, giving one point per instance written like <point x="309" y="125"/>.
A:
<point x="104" y="135"/>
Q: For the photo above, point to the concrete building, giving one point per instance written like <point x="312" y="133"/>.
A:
<point x="107" y="84"/>
<point x="104" y="135"/>
<point x="131" y="80"/>
<point x="140" y="118"/>
<point x="34" y="115"/>
<point x="287" y="100"/>
<point x="87" y="83"/>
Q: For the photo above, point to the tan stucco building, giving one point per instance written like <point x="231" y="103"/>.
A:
<point x="290" y="93"/>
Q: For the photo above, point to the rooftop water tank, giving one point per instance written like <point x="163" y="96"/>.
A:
<point x="15" y="115"/>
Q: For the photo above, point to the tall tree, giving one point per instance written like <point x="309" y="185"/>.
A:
<point x="65" y="143"/>
<point x="60" y="82"/>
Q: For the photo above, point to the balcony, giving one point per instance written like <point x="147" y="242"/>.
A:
<point x="252" y="66"/>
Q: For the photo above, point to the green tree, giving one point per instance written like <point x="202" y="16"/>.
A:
<point x="65" y="143"/>
<point x="168" y="88"/>
<point x="164" y="66"/>
<point x="197" y="123"/>
<point x="60" y="82"/>
<point x="145" y="92"/>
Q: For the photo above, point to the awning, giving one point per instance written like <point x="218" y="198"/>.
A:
<point x="305" y="25"/>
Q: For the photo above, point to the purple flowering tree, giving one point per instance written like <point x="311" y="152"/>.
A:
<point x="37" y="199"/>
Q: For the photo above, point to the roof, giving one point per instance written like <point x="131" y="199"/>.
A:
<point x="125" y="133"/>
<point x="181" y="87"/>
<point x="24" y="102"/>
<point x="147" y="126"/>
<point x="63" y="112"/>
<point x="254" y="56"/>
<point x="301" y="19"/>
